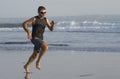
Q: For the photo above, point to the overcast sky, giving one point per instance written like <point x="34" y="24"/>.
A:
<point x="28" y="8"/>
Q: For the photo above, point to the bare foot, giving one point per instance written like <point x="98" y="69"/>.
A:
<point x="26" y="69"/>
<point x="38" y="66"/>
<point x="27" y="76"/>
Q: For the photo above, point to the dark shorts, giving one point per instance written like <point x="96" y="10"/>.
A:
<point x="37" y="43"/>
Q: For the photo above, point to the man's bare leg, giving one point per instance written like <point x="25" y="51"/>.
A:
<point x="44" y="48"/>
<point x="31" y="59"/>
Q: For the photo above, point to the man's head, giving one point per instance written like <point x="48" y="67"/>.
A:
<point x="41" y="10"/>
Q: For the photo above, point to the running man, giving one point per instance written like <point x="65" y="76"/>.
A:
<point x="38" y="23"/>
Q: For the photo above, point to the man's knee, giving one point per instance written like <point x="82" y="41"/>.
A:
<point x="45" y="47"/>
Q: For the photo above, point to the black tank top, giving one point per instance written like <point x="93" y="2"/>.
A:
<point x="38" y="27"/>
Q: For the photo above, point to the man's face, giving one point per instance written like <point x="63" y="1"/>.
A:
<point x="42" y="13"/>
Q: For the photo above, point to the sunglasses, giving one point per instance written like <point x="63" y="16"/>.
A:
<point x="43" y="12"/>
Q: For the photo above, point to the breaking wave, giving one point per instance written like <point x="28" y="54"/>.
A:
<point x="75" y="24"/>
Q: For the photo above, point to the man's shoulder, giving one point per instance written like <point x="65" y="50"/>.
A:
<point x="36" y="17"/>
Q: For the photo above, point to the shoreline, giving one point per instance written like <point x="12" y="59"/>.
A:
<point x="62" y="64"/>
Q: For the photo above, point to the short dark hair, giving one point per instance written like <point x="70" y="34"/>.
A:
<point x="41" y="8"/>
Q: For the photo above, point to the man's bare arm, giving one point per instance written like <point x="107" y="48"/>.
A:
<point x="50" y="25"/>
<point x="25" y="26"/>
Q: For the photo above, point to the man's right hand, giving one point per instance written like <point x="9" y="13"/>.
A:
<point x="29" y="36"/>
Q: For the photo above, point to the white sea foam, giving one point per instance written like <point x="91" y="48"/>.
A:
<point x="11" y="29"/>
<point x="75" y="26"/>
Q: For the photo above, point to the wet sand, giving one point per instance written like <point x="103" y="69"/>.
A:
<point x="61" y="65"/>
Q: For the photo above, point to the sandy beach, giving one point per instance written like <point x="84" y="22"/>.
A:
<point x="61" y="65"/>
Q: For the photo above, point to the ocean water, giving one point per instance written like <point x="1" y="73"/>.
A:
<point x="86" y="33"/>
